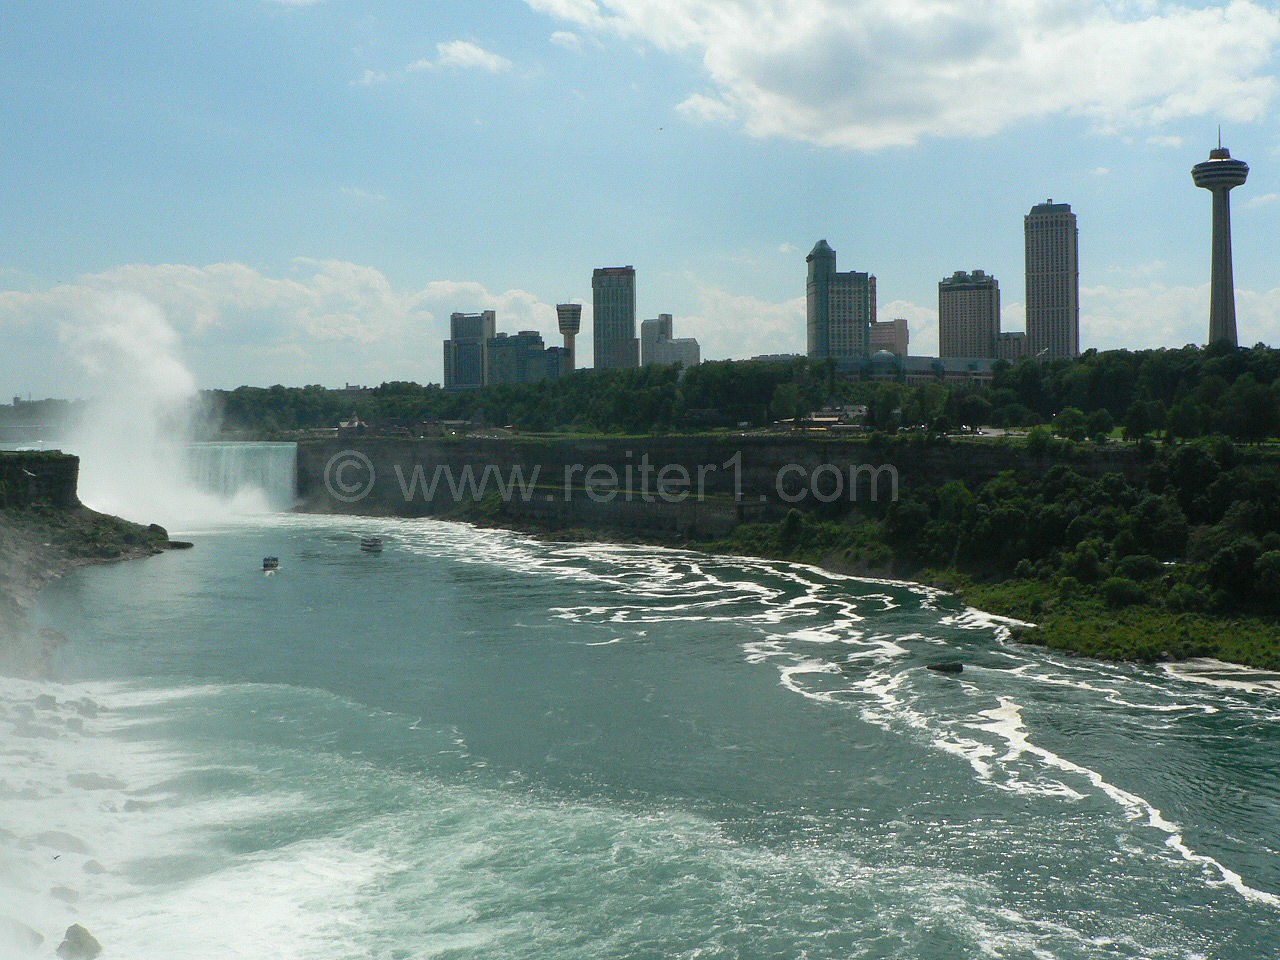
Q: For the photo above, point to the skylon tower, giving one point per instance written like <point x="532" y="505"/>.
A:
<point x="1218" y="175"/>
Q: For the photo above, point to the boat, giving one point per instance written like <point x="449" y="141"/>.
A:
<point x="371" y="544"/>
<point x="270" y="563"/>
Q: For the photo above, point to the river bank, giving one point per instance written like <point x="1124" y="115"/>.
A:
<point x="1081" y="624"/>
<point x="42" y="542"/>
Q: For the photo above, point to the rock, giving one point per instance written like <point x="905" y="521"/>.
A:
<point x="45" y="702"/>
<point x="94" y="867"/>
<point x="86" y="707"/>
<point x="79" y="944"/>
<point x="65" y="894"/>
<point x="158" y="530"/>
<point x="177" y="544"/>
<point x="947" y="666"/>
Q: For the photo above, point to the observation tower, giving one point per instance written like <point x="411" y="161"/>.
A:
<point x="569" y="317"/>
<point x="1218" y="175"/>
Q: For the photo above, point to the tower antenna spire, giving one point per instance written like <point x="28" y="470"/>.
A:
<point x="1219" y="136"/>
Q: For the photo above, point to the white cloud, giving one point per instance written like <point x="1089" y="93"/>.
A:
<point x="922" y="325"/>
<point x="1162" y="316"/>
<point x="567" y="39"/>
<point x="325" y="321"/>
<point x="466" y="55"/>
<point x="1264" y="200"/>
<point x="733" y="326"/>
<point x="706" y="109"/>
<point x="453" y="54"/>
<point x="864" y="74"/>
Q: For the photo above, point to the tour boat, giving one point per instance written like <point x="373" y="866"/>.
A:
<point x="371" y="544"/>
<point x="270" y="563"/>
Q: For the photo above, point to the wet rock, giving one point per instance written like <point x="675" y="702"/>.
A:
<point x="79" y="944"/>
<point x="65" y="894"/>
<point x="86" y="708"/>
<point x="947" y="666"/>
<point x="94" y="867"/>
<point x="45" y="701"/>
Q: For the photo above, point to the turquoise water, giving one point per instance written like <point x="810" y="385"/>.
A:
<point x="475" y="745"/>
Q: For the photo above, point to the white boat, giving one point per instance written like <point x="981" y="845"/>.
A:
<point x="270" y="563"/>
<point x="371" y="544"/>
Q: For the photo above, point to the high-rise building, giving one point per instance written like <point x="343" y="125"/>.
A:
<point x="569" y="316"/>
<point x="465" y="356"/>
<point x="1219" y="174"/>
<point x="1011" y="346"/>
<point x="1053" y="281"/>
<point x="516" y="359"/>
<point x="839" y="308"/>
<point x="558" y="361"/>
<point x="657" y="345"/>
<point x="613" y="296"/>
<point x="968" y="315"/>
<point x="891" y="335"/>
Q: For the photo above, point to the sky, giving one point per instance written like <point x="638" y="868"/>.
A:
<point x="302" y="191"/>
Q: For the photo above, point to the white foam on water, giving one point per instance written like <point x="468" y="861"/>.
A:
<point x="993" y="741"/>
<point x="1226" y="676"/>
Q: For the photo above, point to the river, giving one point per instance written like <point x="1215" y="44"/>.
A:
<point x="479" y="745"/>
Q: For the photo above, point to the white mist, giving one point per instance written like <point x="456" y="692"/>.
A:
<point x="135" y="440"/>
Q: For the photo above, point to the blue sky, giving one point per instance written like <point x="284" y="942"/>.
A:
<point x="301" y="192"/>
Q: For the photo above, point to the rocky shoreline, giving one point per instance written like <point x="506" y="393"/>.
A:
<point x="41" y="543"/>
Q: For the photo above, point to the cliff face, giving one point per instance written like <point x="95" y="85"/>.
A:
<point x="658" y="486"/>
<point x="38" y="477"/>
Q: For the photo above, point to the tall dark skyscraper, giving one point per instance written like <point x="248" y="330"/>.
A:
<point x="1219" y="174"/>
<point x="1053" y="281"/>
<point x="465" y="353"/>
<point x="968" y="315"/>
<point x="613" y="296"/>
<point x="839" y="307"/>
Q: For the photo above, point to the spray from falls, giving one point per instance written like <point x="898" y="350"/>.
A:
<point x="136" y="443"/>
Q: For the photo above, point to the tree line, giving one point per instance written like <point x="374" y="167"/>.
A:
<point x="1180" y="393"/>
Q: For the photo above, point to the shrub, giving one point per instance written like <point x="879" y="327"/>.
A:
<point x="1186" y="599"/>
<point x="1122" y="592"/>
<point x="1139" y="567"/>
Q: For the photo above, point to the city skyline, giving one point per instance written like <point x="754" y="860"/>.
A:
<point x="309" y="192"/>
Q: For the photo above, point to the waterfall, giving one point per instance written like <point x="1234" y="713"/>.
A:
<point x="245" y="474"/>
